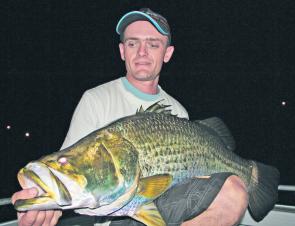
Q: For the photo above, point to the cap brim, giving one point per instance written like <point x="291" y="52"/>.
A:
<point x="130" y="17"/>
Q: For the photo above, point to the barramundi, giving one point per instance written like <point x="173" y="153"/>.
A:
<point x="118" y="170"/>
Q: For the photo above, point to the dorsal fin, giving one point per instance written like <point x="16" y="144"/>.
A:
<point x="156" y="108"/>
<point x="217" y="126"/>
<point x="140" y="110"/>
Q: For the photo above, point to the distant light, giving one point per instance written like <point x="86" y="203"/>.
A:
<point x="8" y="127"/>
<point x="27" y="134"/>
<point x="284" y="103"/>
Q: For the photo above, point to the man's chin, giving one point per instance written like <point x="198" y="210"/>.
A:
<point x="146" y="77"/>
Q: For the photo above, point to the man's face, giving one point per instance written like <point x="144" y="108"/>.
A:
<point x="144" y="50"/>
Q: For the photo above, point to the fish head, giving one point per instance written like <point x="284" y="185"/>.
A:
<point x="97" y="171"/>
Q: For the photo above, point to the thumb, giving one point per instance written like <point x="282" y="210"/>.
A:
<point x="24" y="194"/>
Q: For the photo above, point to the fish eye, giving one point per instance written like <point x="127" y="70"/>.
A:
<point x="62" y="160"/>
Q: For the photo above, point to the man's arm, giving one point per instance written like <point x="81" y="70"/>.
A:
<point x="228" y="207"/>
<point x="218" y="201"/>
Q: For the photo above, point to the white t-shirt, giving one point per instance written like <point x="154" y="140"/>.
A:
<point x="108" y="102"/>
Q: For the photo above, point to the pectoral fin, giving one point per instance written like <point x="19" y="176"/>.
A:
<point x="154" y="186"/>
<point x="150" y="188"/>
<point x="140" y="206"/>
<point x="149" y="215"/>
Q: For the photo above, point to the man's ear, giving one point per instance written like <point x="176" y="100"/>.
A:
<point x="168" y="53"/>
<point x="122" y="51"/>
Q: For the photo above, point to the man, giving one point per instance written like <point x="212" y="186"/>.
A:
<point x="145" y="45"/>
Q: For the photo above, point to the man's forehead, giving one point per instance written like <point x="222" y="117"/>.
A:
<point x="143" y="39"/>
<point x="147" y="39"/>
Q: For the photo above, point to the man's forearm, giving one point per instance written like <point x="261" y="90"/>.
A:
<point x="228" y="207"/>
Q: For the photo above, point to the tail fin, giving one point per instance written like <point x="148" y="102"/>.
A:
<point x="263" y="192"/>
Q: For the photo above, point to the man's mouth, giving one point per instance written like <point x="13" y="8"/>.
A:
<point x="142" y="63"/>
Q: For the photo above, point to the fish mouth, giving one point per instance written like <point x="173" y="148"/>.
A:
<point x="52" y="194"/>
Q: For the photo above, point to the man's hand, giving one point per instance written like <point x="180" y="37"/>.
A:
<point x="35" y="217"/>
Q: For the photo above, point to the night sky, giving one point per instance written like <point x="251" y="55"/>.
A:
<point x="233" y="59"/>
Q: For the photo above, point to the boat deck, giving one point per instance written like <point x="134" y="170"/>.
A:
<point x="281" y="215"/>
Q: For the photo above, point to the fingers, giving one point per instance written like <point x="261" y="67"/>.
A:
<point x="56" y="216"/>
<point x="52" y="217"/>
<point x="48" y="217"/>
<point x="35" y="217"/>
<point x="32" y="218"/>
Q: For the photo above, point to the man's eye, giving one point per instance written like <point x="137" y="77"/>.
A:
<point x="131" y="44"/>
<point x="153" y="45"/>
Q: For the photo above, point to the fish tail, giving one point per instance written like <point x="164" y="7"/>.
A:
<point x="263" y="190"/>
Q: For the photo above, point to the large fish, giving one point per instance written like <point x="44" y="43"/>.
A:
<point x="120" y="169"/>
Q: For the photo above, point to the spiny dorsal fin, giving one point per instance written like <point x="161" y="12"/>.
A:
<point x="140" y="110"/>
<point x="156" y="108"/>
<point x="218" y="127"/>
<point x="149" y="215"/>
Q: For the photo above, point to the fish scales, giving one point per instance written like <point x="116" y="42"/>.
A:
<point x="120" y="169"/>
<point x="173" y="145"/>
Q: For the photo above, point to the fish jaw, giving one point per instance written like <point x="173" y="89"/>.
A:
<point x="52" y="193"/>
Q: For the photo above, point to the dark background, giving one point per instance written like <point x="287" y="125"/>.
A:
<point x="233" y="59"/>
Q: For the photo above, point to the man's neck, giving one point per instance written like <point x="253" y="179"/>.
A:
<point x="149" y="87"/>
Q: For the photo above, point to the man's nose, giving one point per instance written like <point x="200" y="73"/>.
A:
<point x="142" y="49"/>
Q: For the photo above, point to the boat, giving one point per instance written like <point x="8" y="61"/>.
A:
<point x="281" y="215"/>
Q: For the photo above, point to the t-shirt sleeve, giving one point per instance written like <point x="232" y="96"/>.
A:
<point x="83" y="122"/>
<point x="182" y="113"/>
